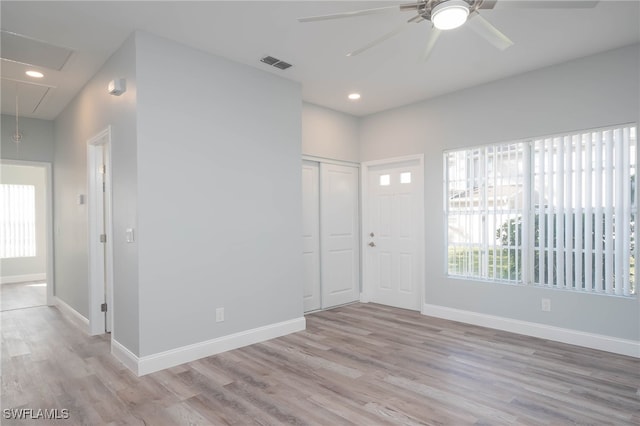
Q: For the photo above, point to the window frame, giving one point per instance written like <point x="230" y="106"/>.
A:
<point x="528" y="210"/>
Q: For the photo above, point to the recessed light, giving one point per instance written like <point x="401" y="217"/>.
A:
<point x="354" y="96"/>
<point x="34" y="74"/>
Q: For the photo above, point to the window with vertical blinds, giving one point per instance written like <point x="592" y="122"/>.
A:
<point x="484" y="191"/>
<point x="18" y="221"/>
<point x="556" y="212"/>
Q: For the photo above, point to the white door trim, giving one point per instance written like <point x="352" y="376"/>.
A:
<point x="49" y="219"/>
<point x="365" y="296"/>
<point x="98" y="262"/>
<point x="324" y="160"/>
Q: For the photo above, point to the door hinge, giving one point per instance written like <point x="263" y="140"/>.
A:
<point x="103" y="307"/>
<point x="103" y="238"/>
<point x="104" y="187"/>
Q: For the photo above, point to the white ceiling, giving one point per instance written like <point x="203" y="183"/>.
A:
<point x="387" y="76"/>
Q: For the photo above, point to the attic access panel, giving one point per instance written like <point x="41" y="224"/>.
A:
<point x="18" y="48"/>
<point x="30" y="96"/>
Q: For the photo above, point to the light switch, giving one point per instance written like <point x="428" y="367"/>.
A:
<point x="130" y="236"/>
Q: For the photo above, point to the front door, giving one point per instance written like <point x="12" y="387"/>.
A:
<point x="393" y="233"/>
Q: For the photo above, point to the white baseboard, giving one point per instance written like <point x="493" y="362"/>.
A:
<point x="125" y="356"/>
<point x="11" y="279"/>
<point x="156" y="362"/>
<point x="71" y="314"/>
<point x="558" y="334"/>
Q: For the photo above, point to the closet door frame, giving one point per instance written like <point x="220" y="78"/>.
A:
<point x="332" y="296"/>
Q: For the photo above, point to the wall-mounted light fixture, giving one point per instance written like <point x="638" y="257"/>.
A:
<point x="117" y="87"/>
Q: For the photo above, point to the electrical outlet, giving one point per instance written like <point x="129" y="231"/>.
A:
<point x="219" y="314"/>
<point x="546" y="305"/>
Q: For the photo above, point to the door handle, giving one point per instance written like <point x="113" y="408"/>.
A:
<point x="372" y="244"/>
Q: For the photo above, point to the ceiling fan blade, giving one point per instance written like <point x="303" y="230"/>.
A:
<point x="379" y="40"/>
<point x="416" y="19"/>
<point x="539" y="4"/>
<point x="348" y="14"/>
<point x="488" y="4"/>
<point x="431" y="42"/>
<point x="487" y="31"/>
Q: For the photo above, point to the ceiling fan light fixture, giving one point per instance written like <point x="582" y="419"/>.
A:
<point x="450" y="14"/>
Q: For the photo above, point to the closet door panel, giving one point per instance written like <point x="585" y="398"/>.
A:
<point x="311" y="234"/>
<point x="339" y="234"/>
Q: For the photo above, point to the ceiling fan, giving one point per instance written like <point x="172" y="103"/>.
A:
<point x="449" y="14"/>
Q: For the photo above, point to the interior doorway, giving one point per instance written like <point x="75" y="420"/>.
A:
<point x="26" y="242"/>
<point x="100" y="232"/>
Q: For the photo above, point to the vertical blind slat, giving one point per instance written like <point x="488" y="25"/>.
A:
<point x="541" y="212"/>
<point x="618" y="257"/>
<point x="597" y="233"/>
<point x="527" y="218"/>
<point x="578" y="178"/>
<point x="558" y="142"/>
<point x="485" y="201"/>
<point x="551" y="216"/>
<point x="608" y="213"/>
<point x="588" y="222"/>
<point x="495" y="212"/>
<point x="568" y="229"/>
<point x="510" y="261"/>
<point x="626" y="211"/>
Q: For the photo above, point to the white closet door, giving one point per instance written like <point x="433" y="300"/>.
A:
<point x="339" y="235"/>
<point x="311" y="234"/>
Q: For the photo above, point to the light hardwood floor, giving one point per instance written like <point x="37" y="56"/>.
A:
<point x="23" y="295"/>
<point x="361" y="364"/>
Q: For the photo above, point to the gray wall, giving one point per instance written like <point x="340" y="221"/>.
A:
<point x="88" y="114"/>
<point x="28" y="175"/>
<point x="590" y="92"/>
<point x="219" y="196"/>
<point x="329" y="134"/>
<point x="37" y="144"/>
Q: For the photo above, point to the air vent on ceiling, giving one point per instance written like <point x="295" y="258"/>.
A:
<point x="270" y="60"/>
<point x="282" y="65"/>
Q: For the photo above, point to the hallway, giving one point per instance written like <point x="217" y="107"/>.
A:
<point x="23" y="295"/>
